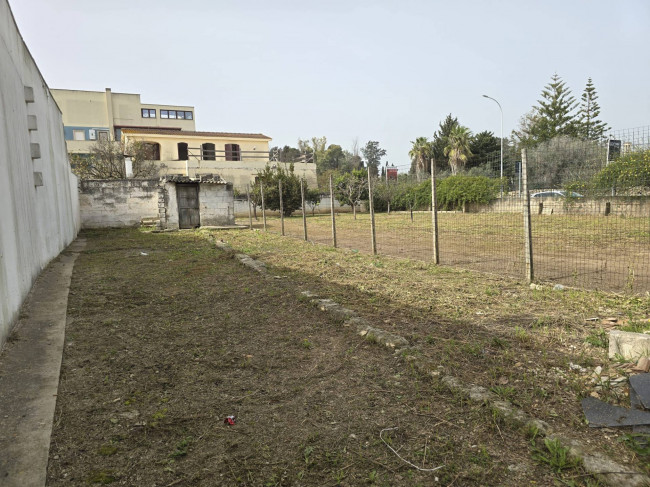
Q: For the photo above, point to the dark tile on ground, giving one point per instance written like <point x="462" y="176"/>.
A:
<point x="601" y="414"/>
<point x="640" y="383"/>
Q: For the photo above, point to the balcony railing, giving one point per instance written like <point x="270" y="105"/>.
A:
<point x="200" y="154"/>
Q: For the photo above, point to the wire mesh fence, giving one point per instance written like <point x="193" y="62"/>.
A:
<point x="589" y="205"/>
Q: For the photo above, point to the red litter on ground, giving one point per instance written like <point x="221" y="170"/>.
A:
<point x="229" y="420"/>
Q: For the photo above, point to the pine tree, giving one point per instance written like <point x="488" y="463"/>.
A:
<point x="589" y="126"/>
<point x="554" y="113"/>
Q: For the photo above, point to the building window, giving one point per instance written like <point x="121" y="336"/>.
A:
<point x="232" y="152"/>
<point x="178" y="114"/>
<point x="182" y="151"/>
<point x="102" y="134"/>
<point x="152" y="151"/>
<point x="79" y="135"/>
<point x="148" y="113"/>
<point x="208" y="152"/>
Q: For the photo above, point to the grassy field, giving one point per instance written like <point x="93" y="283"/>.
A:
<point x="596" y="252"/>
<point x="167" y="336"/>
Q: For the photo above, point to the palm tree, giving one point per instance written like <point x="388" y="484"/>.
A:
<point x="421" y="152"/>
<point x="458" y="147"/>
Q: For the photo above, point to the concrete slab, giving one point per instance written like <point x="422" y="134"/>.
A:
<point x="29" y="375"/>
<point x="629" y="345"/>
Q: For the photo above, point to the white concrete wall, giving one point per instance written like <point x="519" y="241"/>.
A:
<point x="117" y="203"/>
<point x="216" y="204"/>
<point x="39" y="213"/>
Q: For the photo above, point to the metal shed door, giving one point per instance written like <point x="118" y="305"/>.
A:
<point x="187" y="196"/>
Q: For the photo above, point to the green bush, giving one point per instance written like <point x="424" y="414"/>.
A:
<point x="452" y="193"/>
<point x="455" y="191"/>
<point x="628" y="172"/>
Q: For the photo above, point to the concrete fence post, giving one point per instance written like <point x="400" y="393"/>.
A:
<point x="304" y="214"/>
<point x="281" y="207"/>
<point x="528" y="234"/>
<point x="250" y="210"/>
<point x="434" y="214"/>
<point x="263" y="206"/>
<point x="372" y="215"/>
<point x="332" y="211"/>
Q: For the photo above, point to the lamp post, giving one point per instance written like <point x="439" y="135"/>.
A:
<point x="501" y="110"/>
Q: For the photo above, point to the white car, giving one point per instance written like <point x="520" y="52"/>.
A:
<point x="555" y="194"/>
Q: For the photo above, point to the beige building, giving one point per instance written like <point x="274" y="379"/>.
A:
<point x="236" y="157"/>
<point x="89" y="116"/>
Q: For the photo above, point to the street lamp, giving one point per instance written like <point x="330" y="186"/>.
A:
<point x="485" y="96"/>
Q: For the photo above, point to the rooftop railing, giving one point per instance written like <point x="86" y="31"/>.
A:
<point x="201" y="154"/>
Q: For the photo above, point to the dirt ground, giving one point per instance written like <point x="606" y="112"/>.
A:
<point x="167" y="336"/>
<point x="595" y="252"/>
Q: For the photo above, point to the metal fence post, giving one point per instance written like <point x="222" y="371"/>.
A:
<point x="372" y="215"/>
<point x="304" y="215"/>
<point x="332" y="210"/>
<point x="263" y="207"/>
<point x="250" y="211"/>
<point x="434" y="214"/>
<point x="281" y="207"/>
<point x="528" y="234"/>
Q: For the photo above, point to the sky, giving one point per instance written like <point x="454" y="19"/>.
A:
<point x="379" y="70"/>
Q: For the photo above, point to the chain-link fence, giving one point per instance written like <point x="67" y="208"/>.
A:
<point x="589" y="224"/>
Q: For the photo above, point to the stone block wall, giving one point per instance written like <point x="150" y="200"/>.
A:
<point x="118" y="203"/>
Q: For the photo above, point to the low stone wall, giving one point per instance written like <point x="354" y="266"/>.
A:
<point x="117" y="203"/>
<point x="126" y="202"/>
<point x="616" y="205"/>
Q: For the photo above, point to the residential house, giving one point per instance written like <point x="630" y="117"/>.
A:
<point x="89" y="116"/>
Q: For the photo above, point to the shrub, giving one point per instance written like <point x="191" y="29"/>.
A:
<point x="455" y="191"/>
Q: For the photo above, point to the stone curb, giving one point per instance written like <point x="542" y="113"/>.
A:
<point x="607" y="470"/>
<point x="604" y="468"/>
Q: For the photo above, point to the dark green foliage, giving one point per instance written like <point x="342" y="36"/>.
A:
<point x="452" y="193"/>
<point x="351" y="188"/>
<point x="373" y="155"/>
<point x="440" y="142"/>
<point x="285" y="154"/>
<point x="555" y="111"/>
<point x="332" y="158"/>
<point x="630" y="172"/>
<point x="481" y="146"/>
<point x="455" y="191"/>
<point x="589" y="126"/>
<point x="312" y="198"/>
<point x="291" y="198"/>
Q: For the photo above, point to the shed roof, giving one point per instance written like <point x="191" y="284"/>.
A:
<point x="204" y="179"/>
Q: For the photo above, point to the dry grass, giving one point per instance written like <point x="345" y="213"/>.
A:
<point x="162" y="347"/>
<point x="596" y="252"/>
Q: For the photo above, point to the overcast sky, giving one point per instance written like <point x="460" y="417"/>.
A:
<point x="377" y="70"/>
